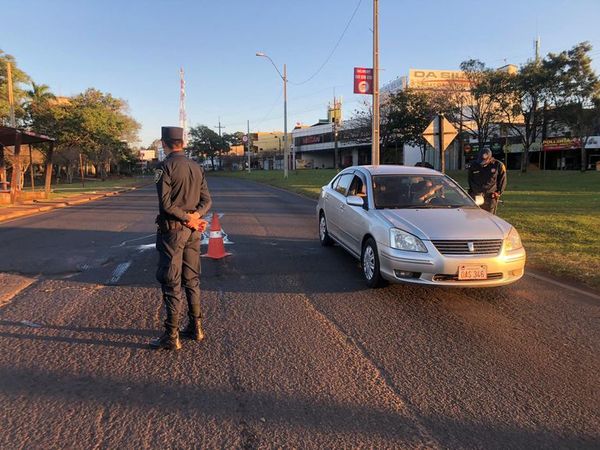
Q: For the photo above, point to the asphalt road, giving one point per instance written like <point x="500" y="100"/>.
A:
<point x="298" y="352"/>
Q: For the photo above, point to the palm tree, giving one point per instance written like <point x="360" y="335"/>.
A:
<point x="40" y="93"/>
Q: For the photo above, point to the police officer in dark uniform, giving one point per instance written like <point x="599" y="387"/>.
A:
<point x="183" y="200"/>
<point x="487" y="177"/>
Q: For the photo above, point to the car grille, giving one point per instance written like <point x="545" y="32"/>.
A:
<point x="480" y="247"/>
<point x="446" y="277"/>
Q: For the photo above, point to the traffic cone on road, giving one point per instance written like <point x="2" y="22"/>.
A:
<point x="216" y="246"/>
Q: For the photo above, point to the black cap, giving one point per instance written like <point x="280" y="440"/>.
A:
<point x="171" y="133"/>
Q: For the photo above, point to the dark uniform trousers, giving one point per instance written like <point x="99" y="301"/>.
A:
<point x="179" y="267"/>
<point x="490" y="203"/>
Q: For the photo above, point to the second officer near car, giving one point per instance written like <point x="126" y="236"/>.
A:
<point x="183" y="200"/>
<point x="487" y="177"/>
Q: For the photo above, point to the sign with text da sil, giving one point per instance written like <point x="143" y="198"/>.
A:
<point x="363" y="80"/>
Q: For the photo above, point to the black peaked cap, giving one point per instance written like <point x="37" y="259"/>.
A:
<point x="171" y="133"/>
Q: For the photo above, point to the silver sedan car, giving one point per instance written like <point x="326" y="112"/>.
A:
<point x="416" y="225"/>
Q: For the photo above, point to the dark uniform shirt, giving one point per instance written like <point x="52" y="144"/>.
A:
<point x="487" y="179"/>
<point x="181" y="187"/>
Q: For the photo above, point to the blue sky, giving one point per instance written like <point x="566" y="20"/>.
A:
<point x="134" y="48"/>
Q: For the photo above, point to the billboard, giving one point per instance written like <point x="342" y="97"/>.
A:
<point x="363" y="80"/>
<point x="561" y="143"/>
<point x="437" y="79"/>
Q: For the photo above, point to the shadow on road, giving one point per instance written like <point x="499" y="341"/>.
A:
<point x="311" y="414"/>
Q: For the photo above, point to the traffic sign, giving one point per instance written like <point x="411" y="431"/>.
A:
<point x="432" y="133"/>
<point x="440" y="133"/>
<point x="245" y="138"/>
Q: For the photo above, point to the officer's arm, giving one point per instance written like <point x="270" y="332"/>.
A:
<point x="163" y="187"/>
<point x="501" y="181"/>
<point x="205" y="200"/>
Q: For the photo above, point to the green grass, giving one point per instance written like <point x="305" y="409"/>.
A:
<point x="110" y="184"/>
<point x="556" y="213"/>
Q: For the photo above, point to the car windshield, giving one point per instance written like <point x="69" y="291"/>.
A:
<point x="418" y="191"/>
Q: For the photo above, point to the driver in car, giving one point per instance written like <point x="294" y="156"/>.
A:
<point x="425" y="191"/>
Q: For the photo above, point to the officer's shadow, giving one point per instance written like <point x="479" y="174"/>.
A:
<point x="31" y="331"/>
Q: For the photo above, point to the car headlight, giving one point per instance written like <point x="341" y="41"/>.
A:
<point x="513" y="241"/>
<point x="405" y="241"/>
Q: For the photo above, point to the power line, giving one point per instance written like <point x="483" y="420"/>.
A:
<point x="333" y="50"/>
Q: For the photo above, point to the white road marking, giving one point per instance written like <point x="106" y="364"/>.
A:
<point x="118" y="272"/>
<point x="562" y="285"/>
<point x="122" y="244"/>
<point x="144" y="247"/>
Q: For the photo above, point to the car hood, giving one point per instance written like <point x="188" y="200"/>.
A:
<point x="450" y="224"/>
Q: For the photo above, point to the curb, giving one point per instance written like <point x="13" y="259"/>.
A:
<point x="50" y="205"/>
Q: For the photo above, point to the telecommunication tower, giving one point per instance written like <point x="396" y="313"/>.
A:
<point x="182" y="113"/>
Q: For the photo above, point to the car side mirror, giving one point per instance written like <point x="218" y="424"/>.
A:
<point x="355" y="200"/>
<point x="479" y="200"/>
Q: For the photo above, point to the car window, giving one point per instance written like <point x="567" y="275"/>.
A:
<point x="418" y="191"/>
<point x="357" y="187"/>
<point x="344" y="183"/>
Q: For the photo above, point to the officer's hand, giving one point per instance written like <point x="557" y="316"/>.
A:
<point x="202" y="224"/>
<point x="193" y="217"/>
<point x="193" y="223"/>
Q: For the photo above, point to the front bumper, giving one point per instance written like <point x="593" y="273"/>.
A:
<point x="433" y="268"/>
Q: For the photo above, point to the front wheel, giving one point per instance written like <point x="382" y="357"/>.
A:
<point x="324" y="237"/>
<point x="370" y="264"/>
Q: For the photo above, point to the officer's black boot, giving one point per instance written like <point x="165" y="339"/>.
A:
<point x="193" y="331"/>
<point x="168" y="341"/>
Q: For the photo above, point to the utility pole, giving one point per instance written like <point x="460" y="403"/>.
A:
<point x="334" y="119"/>
<point x="11" y="99"/>
<point x="286" y="149"/>
<point x="249" y="144"/>
<point x="219" y="127"/>
<point x="440" y="119"/>
<point x="375" y="125"/>
<point x="285" y="133"/>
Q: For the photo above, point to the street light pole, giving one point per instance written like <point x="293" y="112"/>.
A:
<point x="285" y="133"/>
<point x="375" y="125"/>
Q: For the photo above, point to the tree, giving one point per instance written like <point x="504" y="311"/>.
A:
<point x="478" y="111"/>
<point x="93" y="123"/>
<point x="234" y="139"/>
<point x="576" y="92"/>
<point x="206" y="142"/>
<point x="18" y="78"/>
<point x="521" y="101"/>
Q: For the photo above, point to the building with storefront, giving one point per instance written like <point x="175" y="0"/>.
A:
<point x="315" y="145"/>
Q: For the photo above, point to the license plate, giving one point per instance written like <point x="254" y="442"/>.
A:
<point x="472" y="272"/>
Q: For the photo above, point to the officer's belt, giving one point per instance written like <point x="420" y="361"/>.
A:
<point x="166" y="224"/>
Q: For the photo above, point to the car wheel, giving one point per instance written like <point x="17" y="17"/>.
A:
<point x="324" y="237"/>
<point x="370" y="264"/>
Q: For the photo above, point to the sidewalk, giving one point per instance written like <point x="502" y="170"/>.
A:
<point x="32" y="207"/>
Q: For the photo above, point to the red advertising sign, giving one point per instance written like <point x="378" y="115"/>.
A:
<point x="363" y="80"/>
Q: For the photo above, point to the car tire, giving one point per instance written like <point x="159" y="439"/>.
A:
<point x="369" y="262"/>
<point x="324" y="237"/>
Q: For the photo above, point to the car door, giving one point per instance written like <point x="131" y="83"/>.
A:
<point x="336" y="202"/>
<point x="353" y="220"/>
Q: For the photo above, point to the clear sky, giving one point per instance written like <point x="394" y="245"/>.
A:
<point x="134" y="48"/>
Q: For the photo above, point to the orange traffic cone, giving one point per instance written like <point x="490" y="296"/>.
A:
<point x="216" y="246"/>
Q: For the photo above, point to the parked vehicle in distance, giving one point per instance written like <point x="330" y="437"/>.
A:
<point x="416" y="225"/>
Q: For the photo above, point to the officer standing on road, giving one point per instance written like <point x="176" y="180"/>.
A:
<point x="487" y="177"/>
<point x="183" y="200"/>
